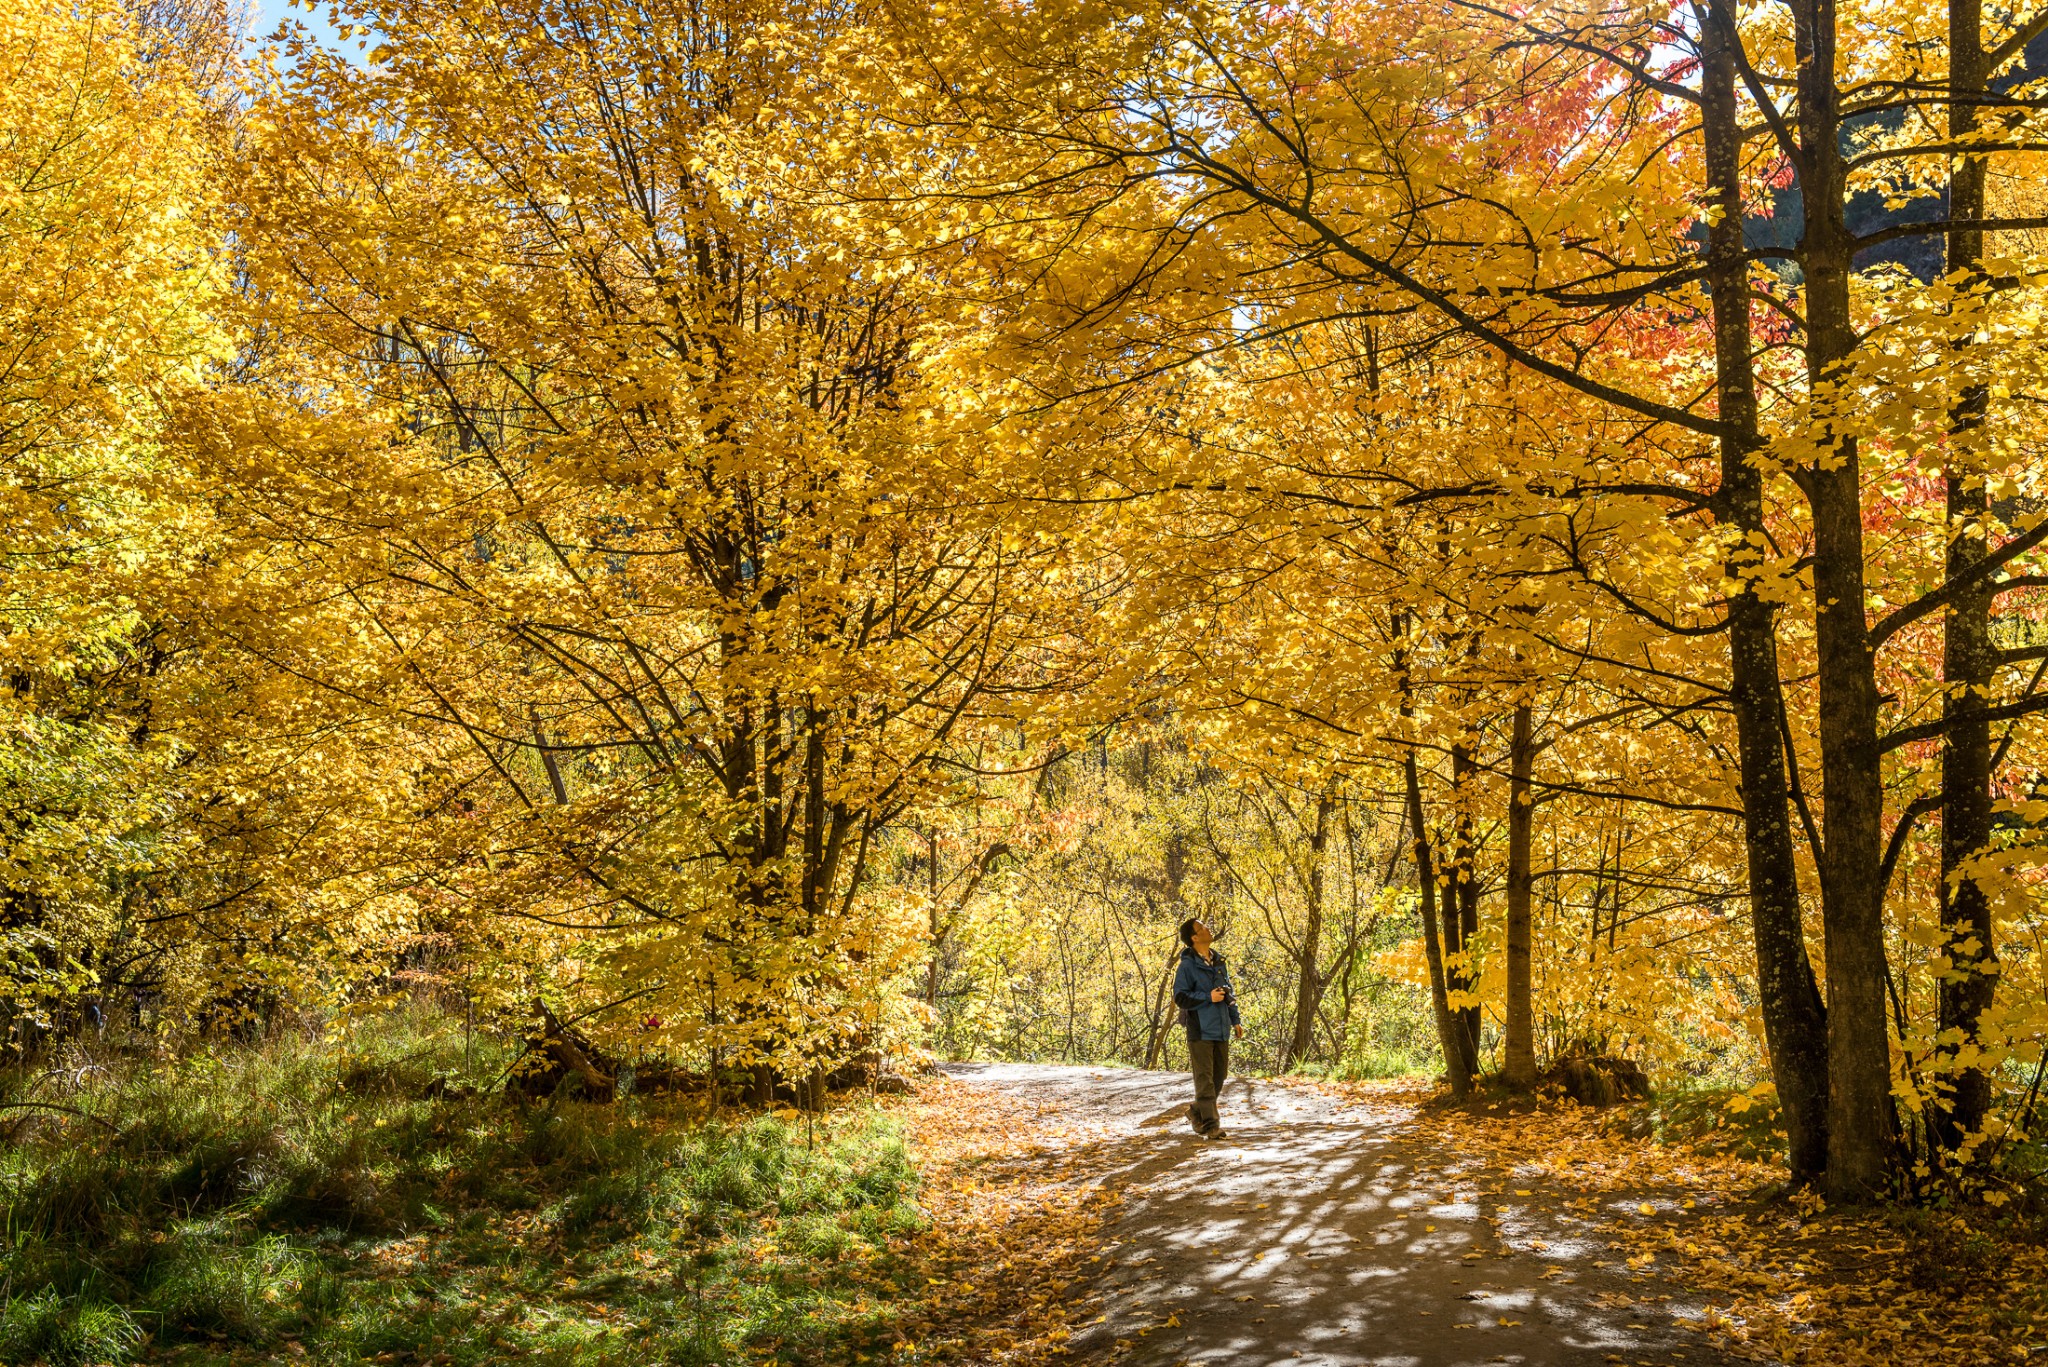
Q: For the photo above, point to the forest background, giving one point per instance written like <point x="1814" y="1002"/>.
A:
<point x="756" y="539"/>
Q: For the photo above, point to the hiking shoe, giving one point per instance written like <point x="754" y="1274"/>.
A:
<point x="1215" y="1132"/>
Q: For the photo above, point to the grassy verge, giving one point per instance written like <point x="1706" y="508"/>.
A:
<point x="299" y="1203"/>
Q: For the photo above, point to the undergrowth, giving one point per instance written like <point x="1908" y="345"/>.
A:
<point x="355" y="1204"/>
<point x="1721" y="1120"/>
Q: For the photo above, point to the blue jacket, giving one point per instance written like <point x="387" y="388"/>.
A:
<point x="1192" y="984"/>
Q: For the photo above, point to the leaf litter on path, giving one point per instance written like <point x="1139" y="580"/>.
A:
<point x="1779" y="1280"/>
<point x="1013" y="1227"/>
<point x="1589" y="1245"/>
<point x="1294" y="1243"/>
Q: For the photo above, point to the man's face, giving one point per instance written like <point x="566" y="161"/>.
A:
<point x="1200" y="938"/>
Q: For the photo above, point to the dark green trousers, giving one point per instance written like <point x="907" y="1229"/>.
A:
<point x="1210" y="1061"/>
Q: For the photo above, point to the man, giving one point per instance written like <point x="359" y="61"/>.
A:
<point x="1201" y="989"/>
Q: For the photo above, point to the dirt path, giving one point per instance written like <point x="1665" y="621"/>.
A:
<point x="1331" y="1234"/>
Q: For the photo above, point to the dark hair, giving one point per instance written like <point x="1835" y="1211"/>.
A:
<point x="1187" y="932"/>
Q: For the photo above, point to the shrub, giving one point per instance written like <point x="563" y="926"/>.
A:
<point x="1744" y="1124"/>
<point x="1945" y="1253"/>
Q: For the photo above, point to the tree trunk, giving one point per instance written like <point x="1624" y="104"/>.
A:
<point x="817" y="873"/>
<point x="1163" y="1014"/>
<point x="938" y="922"/>
<point x="1968" y="658"/>
<point x="1519" y="1034"/>
<point x="1450" y="1033"/>
<point x="1794" y="1019"/>
<point x="548" y="761"/>
<point x="1860" y="1117"/>
<point x="1309" y="987"/>
<point x="1458" y="1065"/>
<point x="1459" y="935"/>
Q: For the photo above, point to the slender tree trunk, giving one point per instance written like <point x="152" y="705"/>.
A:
<point x="1968" y="658"/>
<point x="938" y="924"/>
<point x="1519" y="1035"/>
<point x="1464" y="977"/>
<point x="1308" y="986"/>
<point x="1860" y="1117"/>
<point x="548" y="761"/>
<point x="1458" y="1066"/>
<point x="1450" y="1033"/>
<point x="1794" y="1019"/>
<point x="816" y="885"/>
<point x="1162" y="1014"/>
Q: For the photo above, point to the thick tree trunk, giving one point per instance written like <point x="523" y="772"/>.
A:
<point x="1518" y="1046"/>
<point x="1309" y="985"/>
<point x="1968" y="658"/>
<point x="1860" y="1116"/>
<point x="1794" y="1020"/>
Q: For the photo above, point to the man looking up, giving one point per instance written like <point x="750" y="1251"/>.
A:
<point x="1201" y="989"/>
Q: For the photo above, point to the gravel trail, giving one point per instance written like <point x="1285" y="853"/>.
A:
<point x="1329" y="1234"/>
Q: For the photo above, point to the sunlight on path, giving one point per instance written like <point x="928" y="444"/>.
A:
<point x="1330" y="1234"/>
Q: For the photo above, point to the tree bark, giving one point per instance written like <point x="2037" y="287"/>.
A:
<point x="1163" y="1013"/>
<point x="938" y="921"/>
<point x="1450" y="1032"/>
<point x="1968" y="658"/>
<point x="548" y="761"/>
<point x="1861" y="1123"/>
<point x="1463" y="976"/>
<point x="1518" y="1047"/>
<point x="1458" y="1065"/>
<point x="1308" y="986"/>
<point x="1794" y="1019"/>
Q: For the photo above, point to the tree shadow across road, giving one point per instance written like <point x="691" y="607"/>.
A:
<point x="1339" y="1236"/>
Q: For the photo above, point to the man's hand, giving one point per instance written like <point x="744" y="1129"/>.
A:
<point x="1237" y="1030"/>
<point x="1217" y="994"/>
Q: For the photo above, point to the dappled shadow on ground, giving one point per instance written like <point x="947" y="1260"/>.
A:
<point x="1319" y="1233"/>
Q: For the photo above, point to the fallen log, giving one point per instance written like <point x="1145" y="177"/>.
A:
<point x="555" y="1053"/>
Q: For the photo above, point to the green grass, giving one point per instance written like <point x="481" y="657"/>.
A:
<point x="1373" y="1063"/>
<point x="297" y="1203"/>
<point x="65" y="1331"/>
